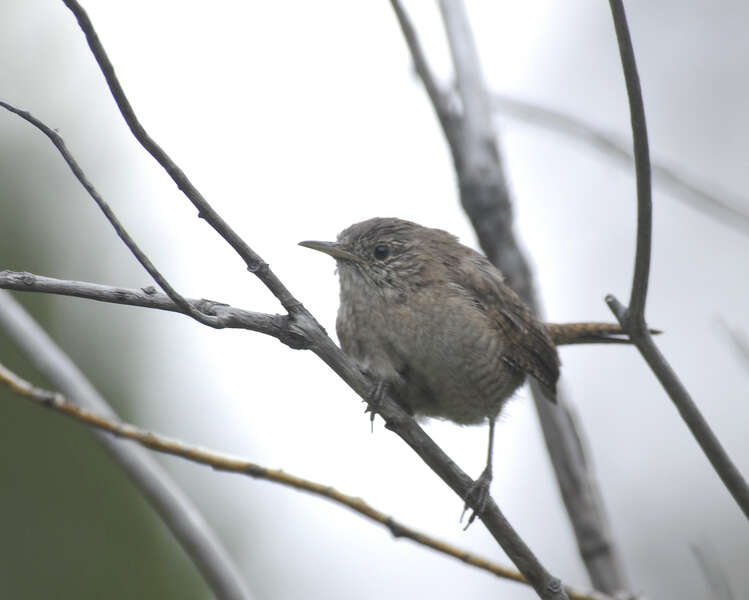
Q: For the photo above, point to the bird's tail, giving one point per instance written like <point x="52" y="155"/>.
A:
<point x="588" y="333"/>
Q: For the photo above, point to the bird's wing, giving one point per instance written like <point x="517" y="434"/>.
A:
<point x="527" y="344"/>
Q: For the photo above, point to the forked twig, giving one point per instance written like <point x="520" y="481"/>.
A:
<point x="126" y="238"/>
<point x="633" y="318"/>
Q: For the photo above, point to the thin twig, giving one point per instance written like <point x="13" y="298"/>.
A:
<point x="225" y="462"/>
<point x="172" y="505"/>
<point x="226" y="316"/>
<point x="642" y="169"/>
<point x="632" y="319"/>
<point x="127" y="239"/>
<point x="254" y="263"/>
<point x="733" y="212"/>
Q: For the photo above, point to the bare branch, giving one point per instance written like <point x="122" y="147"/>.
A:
<point x="205" y="211"/>
<point x="225" y="316"/>
<point x="127" y="239"/>
<point x="636" y="311"/>
<point x="168" y="500"/>
<point x="224" y="462"/>
<point x="633" y="318"/>
<point x="733" y="212"/>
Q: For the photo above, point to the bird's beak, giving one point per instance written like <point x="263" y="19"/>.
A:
<point x="333" y="249"/>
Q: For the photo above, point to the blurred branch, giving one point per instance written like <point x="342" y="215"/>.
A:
<point x="485" y="198"/>
<point x="223" y="462"/>
<point x="633" y="318"/>
<point x="739" y="340"/>
<point x="166" y="497"/>
<point x="733" y="213"/>
<point x="717" y="580"/>
<point x="126" y="238"/>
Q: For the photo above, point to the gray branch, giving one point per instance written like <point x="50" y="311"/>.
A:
<point x="632" y="318"/>
<point x="225" y="316"/>
<point x="728" y="210"/>
<point x="169" y="501"/>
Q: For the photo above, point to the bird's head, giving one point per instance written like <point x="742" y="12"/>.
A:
<point x="388" y="253"/>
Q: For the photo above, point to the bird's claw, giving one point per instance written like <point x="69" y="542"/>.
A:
<point x="477" y="497"/>
<point x="374" y="399"/>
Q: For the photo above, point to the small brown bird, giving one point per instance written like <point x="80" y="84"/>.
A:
<point x="433" y="322"/>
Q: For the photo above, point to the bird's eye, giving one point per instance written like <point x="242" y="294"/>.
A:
<point x="381" y="251"/>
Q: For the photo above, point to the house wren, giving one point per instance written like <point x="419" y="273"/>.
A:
<point x="434" y="323"/>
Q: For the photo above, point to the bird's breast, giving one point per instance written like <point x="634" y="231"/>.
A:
<point x="443" y="354"/>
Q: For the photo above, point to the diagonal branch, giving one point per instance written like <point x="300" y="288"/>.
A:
<point x="224" y="462"/>
<point x="127" y="239"/>
<point x="254" y="263"/>
<point x="632" y="318"/>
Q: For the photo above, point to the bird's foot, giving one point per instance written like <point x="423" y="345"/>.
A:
<point x="477" y="497"/>
<point x="374" y="399"/>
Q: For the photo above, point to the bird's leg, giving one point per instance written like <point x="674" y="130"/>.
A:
<point x="479" y="493"/>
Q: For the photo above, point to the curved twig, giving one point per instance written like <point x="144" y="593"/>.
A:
<point x="636" y="311"/>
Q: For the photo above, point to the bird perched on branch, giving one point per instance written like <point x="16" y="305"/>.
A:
<point x="436" y="326"/>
